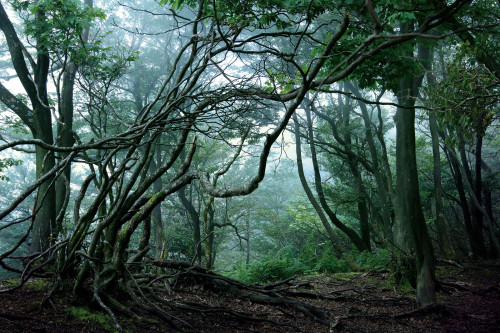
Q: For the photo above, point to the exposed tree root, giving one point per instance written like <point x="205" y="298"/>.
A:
<point x="151" y="296"/>
<point x="265" y="295"/>
<point x="99" y="300"/>
<point x="433" y="308"/>
<point x="454" y="286"/>
<point x="393" y="300"/>
<point x="449" y="262"/>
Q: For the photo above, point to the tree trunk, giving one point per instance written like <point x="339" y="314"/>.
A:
<point x="195" y="219"/>
<point x="45" y="206"/>
<point x="478" y="190"/>
<point x="351" y="233"/>
<point x="209" y="229"/>
<point x="443" y="236"/>
<point x="156" y="217"/>
<point x="247" y="261"/>
<point x="494" y="252"/>
<point x="364" y="224"/>
<point x="65" y="124"/>
<point x="440" y="221"/>
<point x="65" y="131"/>
<point x="39" y="121"/>
<point x="158" y="224"/>
<point x="409" y="213"/>
<point x="146" y="234"/>
<point x="457" y="176"/>
<point x="477" y="237"/>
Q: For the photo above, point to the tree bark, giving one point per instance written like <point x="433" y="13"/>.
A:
<point x="409" y="213"/>
<point x="65" y="123"/>
<point x="440" y="222"/>
<point x="158" y="223"/>
<point x="208" y="230"/>
<point x="39" y="121"/>
<point x="247" y="260"/>
<point x="364" y="224"/>
<point x="477" y="236"/>
<point x="409" y="210"/>
<point x="457" y="176"/>
<point x="195" y="219"/>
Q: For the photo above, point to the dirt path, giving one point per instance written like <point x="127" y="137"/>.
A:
<point x="357" y="302"/>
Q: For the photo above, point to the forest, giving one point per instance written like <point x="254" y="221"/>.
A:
<point x="249" y="166"/>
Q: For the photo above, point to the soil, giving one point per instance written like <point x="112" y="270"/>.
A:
<point x="469" y="301"/>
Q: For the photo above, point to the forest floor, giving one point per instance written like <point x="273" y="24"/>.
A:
<point x="354" y="302"/>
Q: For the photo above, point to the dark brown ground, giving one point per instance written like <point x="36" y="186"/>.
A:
<point x="358" y="302"/>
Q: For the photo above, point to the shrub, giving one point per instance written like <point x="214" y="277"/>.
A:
<point x="275" y="269"/>
<point x="372" y="260"/>
<point x="288" y="263"/>
<point x="329" y="263"/>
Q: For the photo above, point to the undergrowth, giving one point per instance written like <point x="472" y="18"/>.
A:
<point x="85" y="314"/>
<point x="287" y="263"/>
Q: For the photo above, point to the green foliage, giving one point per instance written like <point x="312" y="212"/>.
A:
<point x="59" y="31"/>
<point x="401" y="16"/>
<point x="372" y="260"/>
<point x="284" y="83"/>
<point x="277" y="267"/>
<point x="11" y="122"/>
<point x="386" y="69"/>
<point x="62" y="23"/>
<point x="7" y="163"/>
<point x="467" y="97"/>
<point x="262" y="14"/>
<point x="105" y="63"/>
<point x="304" y="219"/>
<point x="329" y="263"/>
<point x="288" y="263"/>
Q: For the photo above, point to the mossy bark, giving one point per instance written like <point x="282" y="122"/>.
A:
<point x="409" y="211"/>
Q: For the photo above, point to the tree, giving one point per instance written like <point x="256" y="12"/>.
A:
<point x="53" y="37"/>
<point x="66" y="106"/>
<point x="38" y="120"/>
<point x="379" y="161"/>
<point x="463" y="121"/>
<point x="227" y="78"/>
<point x="361" y="242"/>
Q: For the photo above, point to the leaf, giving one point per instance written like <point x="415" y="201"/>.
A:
<point x="178" y="4"/>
